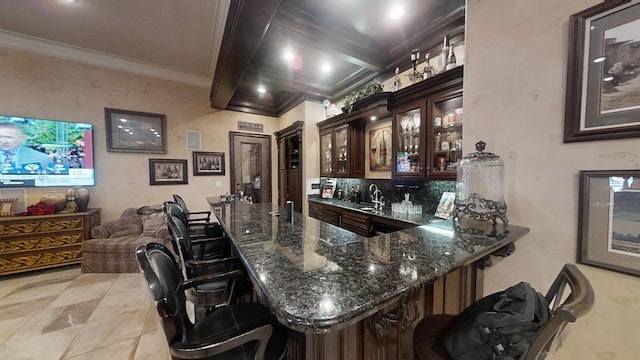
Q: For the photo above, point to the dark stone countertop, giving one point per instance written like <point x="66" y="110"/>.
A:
<point x="316" y="277"/>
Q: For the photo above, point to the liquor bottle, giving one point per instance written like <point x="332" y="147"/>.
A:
<point x="396" y="81"/>
<point x="383" y="151"/>
<point x="451" y="59"/>
<point x="428" y="68"/>
<point x="442" y="61"/>
<point x="358" y="194"/>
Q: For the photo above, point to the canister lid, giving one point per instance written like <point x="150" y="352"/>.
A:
<point x="480" y="154"/>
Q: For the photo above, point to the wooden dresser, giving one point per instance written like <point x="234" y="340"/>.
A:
<point x="38" y="242"/>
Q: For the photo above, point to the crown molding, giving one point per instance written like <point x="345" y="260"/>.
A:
<point x="67" y="52"/>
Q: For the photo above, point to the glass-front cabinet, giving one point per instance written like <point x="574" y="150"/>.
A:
<point x="427" y="128"/>
<point x="326" y="153"/>
<point x="409" y="130"/>
<point x="445" y="118"/>
<point x="342" y="150"/>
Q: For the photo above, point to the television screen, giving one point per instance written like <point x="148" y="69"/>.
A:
<point x="39" y="152"/>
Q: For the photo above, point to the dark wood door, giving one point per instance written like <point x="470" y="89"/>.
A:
<point x="251" y="165"/>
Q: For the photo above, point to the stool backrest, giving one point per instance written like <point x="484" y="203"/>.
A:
<point x="569" y="297"/>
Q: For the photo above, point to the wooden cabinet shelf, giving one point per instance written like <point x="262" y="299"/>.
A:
<point x="38" y="242"/>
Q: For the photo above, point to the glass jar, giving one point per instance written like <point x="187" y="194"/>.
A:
<point x="480" y="178"/>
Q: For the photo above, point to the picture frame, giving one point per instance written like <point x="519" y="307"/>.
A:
<point x="135" y="131"/>
<point x="208" y="163"/>
<point x="380" y="148"/>
<point x="446" y="205"/>
<point x="168" y="172"/>
<point x="608" y="226"/>
<point x="602" y="101"/>
<point x="8" y="207"/>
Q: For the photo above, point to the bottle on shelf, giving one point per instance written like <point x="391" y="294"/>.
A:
<point x="383" y="151"/>
<point x="428" y="68"/>
<point x="396" y="81"/>
<point x="451" y="59"/>
<point x="444" y="54"/>
<point x="437" y="142"/>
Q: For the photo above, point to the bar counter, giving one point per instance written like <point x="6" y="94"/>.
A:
<point x="320" y="280"/>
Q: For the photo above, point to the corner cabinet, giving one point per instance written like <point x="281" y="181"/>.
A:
<point x="427" y="125"/>
<point x="342" y="137"/>
<point x="342" y="150"/>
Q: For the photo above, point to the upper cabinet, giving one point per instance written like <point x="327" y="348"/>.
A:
<point x="342" y="137"/>
<point x="342" y="150"/>
<point x="427" y="125"/>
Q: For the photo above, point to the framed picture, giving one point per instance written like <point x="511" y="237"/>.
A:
<point x="609" y="220"/>
<point x="167" y="172"/>
<point x="8" y="207"/>
<point x="208" y="163"/>
<point x="445" y="207"/>
<point x="603" y="90"/>
<point x="136" y="132"/>
<point x="380" y="149"/>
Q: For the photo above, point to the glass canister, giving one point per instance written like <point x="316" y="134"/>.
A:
<point x="480" y="187"/>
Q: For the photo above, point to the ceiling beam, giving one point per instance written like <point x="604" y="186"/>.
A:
<point x="274" y="79"/>
<point x="348" y="46"/>
<point x="247" y="24"/>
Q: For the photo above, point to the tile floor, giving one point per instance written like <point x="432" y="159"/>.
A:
<point x="63" y="314"/>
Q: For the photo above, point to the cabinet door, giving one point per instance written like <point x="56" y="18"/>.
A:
<point x="326" y="153"/>
<point x="445" y="137"/>
<point x="341" y="151"/>
<point x="408" y="145"/>
<point x="357" y="151"/>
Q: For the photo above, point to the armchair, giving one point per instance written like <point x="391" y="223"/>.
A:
<point x="237" y="331"/>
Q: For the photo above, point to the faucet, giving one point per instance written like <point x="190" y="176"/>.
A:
<point x="376" y="197"/>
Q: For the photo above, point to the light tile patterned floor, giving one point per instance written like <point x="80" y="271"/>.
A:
<point x="63" y="314"/>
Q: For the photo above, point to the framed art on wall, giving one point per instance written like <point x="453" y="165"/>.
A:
<point x="608" y="226"/>
<point x="136" y="132"/>
<point x="167" y="172"/>
<point x="603" y="91"/>
<point x="208" y="163"/>
<point x="380" y="149"/>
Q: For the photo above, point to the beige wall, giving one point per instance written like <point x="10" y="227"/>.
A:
<point x="514" y="92"/>
<point x="39" y="86"/>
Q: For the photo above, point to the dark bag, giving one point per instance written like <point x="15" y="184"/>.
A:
<point x="498" y="326"/>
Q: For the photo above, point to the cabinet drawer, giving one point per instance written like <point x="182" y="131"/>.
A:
<point x="28" y="242"/>
<point x="39" y="259"/>
<point x="355" y="222"/>
<point x="12" y="229"/>
<point x="316" y="210"/>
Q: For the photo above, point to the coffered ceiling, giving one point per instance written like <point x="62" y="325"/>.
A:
<point x="236" y="46"/>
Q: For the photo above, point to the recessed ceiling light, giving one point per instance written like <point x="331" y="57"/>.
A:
<point x="396" y="12"/>
<point x="262" y="90"/>
<point x="68" y="1"/>
<point x="373" y="118"/>
<point x="326" y="67"/>
<point x="288" y="55"/>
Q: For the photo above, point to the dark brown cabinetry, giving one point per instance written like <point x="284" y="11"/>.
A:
<point x="342" y="150"/>
<point x="359" y="222"/>
<point x="342" y="137"/>
<point x="289" y="165"/>
<point x="427" y="126"/>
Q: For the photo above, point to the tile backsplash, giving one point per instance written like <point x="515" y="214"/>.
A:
<point x="425" y="193"/>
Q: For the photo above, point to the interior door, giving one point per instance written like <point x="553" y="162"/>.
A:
<point x="251" y="165"/>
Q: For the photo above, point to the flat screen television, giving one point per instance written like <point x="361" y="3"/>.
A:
<point x="39" y="152"/>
